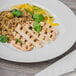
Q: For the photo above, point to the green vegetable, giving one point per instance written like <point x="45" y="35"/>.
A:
<point x="41" y="17"/>
<point x="36" y="8"/>
<point x="18" y="40"/>
<point x="14" y="11"/>
<point x="3" y="39"/>
<point x="37" y="26"/>
<point x="29" y="11"/>
<point x="17" y="13"/>
<point x="38" y="17"/>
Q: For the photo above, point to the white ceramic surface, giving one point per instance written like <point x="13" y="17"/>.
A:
<point x="63" y="66"/>
<point x="63" y="15"/>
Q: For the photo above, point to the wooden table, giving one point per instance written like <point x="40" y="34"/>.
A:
<point x="20" y="69"/>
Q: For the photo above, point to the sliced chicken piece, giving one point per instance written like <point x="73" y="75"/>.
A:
<point x="51" y="28"/>
<point x="24" y="45"/>
<point x="49" y="31"/>
<point x="25" y="33"/>
<point x="40" y="36"/>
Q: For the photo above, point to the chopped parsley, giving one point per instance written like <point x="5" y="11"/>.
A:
<point x="3" y="39"/>
<point x="38" y="17"/>
<point x="37" y="26"/>
<point x="16" y="13"/>
<point x="18" y="40"/>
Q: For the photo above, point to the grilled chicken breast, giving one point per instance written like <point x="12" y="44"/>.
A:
<point x="30" y="38"/>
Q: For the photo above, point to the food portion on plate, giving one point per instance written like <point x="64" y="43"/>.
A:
<point x="27" y="26"/>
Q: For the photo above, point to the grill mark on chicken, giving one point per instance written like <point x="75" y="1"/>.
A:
<point x="24" y="32"/>
<point x="39" y="36"/>
<point x="49" y="32"/>
<point x="25" y="45"/>
<point x="46" y="32"/>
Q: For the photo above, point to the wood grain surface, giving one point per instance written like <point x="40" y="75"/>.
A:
<point x="8" y="68"/>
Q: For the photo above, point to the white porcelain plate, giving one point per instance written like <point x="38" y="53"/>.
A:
<point x="66" y="38"/>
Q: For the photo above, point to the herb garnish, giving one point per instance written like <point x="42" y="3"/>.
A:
<point x="18" y="40"/>
<point x="3" y="39"/>
<point x="16" y="13"/>
<point x="37" y="26"/>
<point x="38" y="17"/>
